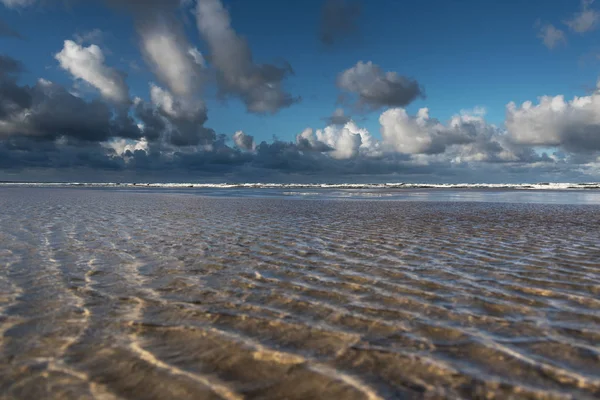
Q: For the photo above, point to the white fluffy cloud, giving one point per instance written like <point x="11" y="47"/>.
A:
<point x="341" y="142"/>
<point x="467" y="137"/>
<point x="121" y="146"/>
<point x="87" y="64"/>
<point x="573" y="125"/>
<point x="175" y="64"/>
<point x="164" y="100"/>
<point x="174" y="107"/>
<point x="411" y="135"/>
<point x="244" y="141"/>
<point x="197" y="56"/>
<point x="163" y="42"/>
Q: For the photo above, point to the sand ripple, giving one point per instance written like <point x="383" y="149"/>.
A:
<point x="116" y="295"/>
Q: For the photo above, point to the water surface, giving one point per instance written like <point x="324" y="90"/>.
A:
<point x="154" y="294"/>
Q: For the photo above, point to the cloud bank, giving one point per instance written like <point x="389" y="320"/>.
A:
<point x="45" y="126"/>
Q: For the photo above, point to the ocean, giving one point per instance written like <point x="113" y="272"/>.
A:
<point x="186" y="291"/>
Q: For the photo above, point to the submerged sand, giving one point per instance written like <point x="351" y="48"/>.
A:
<point x="120" y="294"/>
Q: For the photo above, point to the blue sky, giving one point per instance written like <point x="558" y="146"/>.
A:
<point x="464" y="54"/>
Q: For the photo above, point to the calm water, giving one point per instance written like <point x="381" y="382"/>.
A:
<point x="156" y="294"/>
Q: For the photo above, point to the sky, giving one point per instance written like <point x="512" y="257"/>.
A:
<point x="311" y="91"/>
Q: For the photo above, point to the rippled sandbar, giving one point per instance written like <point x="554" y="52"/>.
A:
<point x="111" y="294"/>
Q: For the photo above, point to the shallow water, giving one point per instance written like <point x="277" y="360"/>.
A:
<point x="152" y="294"/>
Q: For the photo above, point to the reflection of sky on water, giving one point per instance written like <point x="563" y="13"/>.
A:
<point x="443" y="195"/>
<point x="493" y="196"/>
<point x="508" y="196"/>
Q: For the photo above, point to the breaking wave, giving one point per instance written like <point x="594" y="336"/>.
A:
<point x="524" y="186"/>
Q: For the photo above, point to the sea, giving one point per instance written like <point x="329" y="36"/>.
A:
<point x="282" y="291"/>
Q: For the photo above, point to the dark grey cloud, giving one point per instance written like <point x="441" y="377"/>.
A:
<point x="175" y="129"/>
<point x="13" y="97"/>
<point x="306" y="145"/>
<point x="48" y="111"/>
<point x="259" y="86"/>
<point x="185" y="118"/>
<point x="275" y="161"/>
<point x="9" y="67"/>
<point x="154" y="124"/>
<point x="339" y="19"/>
<point x="21" y="152"/>
<point x="373" y="88"/>
<point x="55" y="112"/>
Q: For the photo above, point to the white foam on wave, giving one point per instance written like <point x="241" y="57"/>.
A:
<point x="258" y="185"/>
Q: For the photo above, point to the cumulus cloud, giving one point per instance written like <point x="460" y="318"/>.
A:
<point x="339" y="18"/>
<point x="551" y="36"/>
<point x="48" y="111"/>
<point x="121" y="146"/>
<point x="243" y="141"/>
<point x="469" y="138"/>
<point x="341" y="142"/>
<point x="585" y="20"/>
<point x="164" y="44"/>
<point x="409" y="134"/>
<point x="184" y="117"/>
<point x="170" y="57"/>
<point x="13" y="98"/>
<point x="465" y="138"/>
<point x="170" y="106"/>
<point x="53" y="112"/>
<point x="87" y="64"/>
<point x="259" y="86"/>
<point x="573" y="125"/>
<point x="375" y="88"/>
<point x="45" y="126"/>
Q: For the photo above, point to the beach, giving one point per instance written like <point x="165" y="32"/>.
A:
<point x="298" y="293"/>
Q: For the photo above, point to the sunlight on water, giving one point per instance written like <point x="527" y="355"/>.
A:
<point x="154" y="294"/>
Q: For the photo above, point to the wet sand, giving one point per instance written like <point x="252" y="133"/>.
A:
<point x="112" y="294"/>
